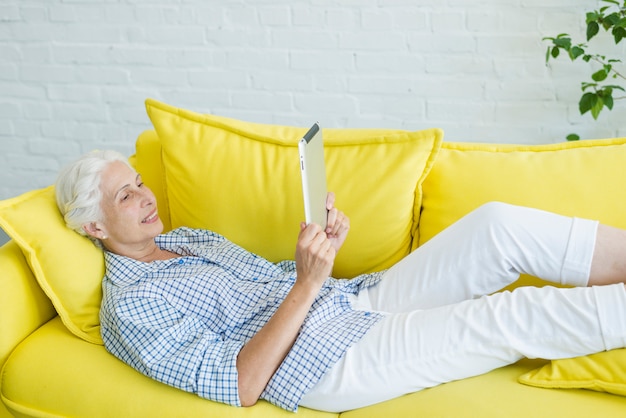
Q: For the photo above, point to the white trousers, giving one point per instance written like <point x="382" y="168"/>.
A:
<point x="439" y="326"/>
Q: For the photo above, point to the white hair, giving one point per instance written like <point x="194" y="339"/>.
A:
<point x="78" y="191"/>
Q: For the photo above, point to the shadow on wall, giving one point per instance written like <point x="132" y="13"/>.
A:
<point x="3" y="238"/>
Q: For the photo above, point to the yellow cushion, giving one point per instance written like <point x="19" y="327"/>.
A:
<point x="573" y="178"/>
<point x="602" y="372"/>
<point x="68" y="267"/>
<point x="242" y="180"/>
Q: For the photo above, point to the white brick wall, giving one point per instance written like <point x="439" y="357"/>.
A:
<point x="74" y="73"/>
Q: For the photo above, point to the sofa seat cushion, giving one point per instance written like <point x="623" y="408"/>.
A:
<point x="243" y="181"/>
<point x="54" y="373"/>
<point x="497" y="394"/>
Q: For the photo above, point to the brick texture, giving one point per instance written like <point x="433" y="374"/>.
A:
<point x="74" y="73"/>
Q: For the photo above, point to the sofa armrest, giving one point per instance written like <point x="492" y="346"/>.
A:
<point x="23" y="305"/>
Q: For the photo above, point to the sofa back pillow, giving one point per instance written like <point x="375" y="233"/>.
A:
<point x="242" y="180"/>
<point x="585" y="179"/>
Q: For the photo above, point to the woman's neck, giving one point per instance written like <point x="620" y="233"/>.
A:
<point x="159" y="254"/>
<point x="146" y="254"/>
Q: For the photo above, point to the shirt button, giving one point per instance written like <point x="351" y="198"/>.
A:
<point x="181" y="261"/>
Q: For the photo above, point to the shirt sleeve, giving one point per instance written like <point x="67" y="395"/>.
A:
<point x="287" y="266"/>
<point x="176" y="349"/>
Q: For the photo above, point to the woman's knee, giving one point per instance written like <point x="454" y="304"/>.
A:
<point x="499" y="225"/>
<point x="496" y="213"/>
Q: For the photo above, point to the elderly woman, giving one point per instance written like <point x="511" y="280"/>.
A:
<point x="195" y="311"/>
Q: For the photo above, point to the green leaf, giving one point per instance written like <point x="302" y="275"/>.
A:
<point x="576" y="52"/>
<point x="615" y="87"/>
<point x="619" y="33"/>
<point x="585" y="86"/>
<point x="611" y="20"/>
<point x="555" y="52"/>
<point x="592" y="17"/>
<point x="608" y="101"/>
<point x="587" y="101"/>
<point x="597" y="106"/>
<point x="592" y="29"/>
<point x="564" y="42"/>
<point x="600" y="75"/>
<point x="572" y="137"/>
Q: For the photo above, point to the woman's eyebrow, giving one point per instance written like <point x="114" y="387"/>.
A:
<point x="126" y="186"/>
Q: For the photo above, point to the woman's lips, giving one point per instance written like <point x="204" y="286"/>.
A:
<point x="151" y="218"/>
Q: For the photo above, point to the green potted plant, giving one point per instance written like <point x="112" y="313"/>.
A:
<point x="599" y="92"/>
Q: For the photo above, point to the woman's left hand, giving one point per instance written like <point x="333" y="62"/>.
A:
<point x="337" y="223"/>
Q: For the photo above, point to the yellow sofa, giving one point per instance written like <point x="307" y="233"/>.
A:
<point x="399" y="188"/>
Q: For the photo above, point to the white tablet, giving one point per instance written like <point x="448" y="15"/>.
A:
<point x="313" y="170"/>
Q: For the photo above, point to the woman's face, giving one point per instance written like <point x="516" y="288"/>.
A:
<point x="131" y="220"/>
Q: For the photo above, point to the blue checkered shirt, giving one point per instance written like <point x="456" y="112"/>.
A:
<point x="183" y="321"/>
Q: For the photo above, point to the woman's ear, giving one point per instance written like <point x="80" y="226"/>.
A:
<point x="94" y="229"/>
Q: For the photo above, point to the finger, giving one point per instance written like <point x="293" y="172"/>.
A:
<point x="330" y="200"/>
<point x="307" y="234"/>
<point x="325" y="251"/>
<point x="331" y="220"/>
<point x="342" y="224"/>
<point x="319" y="241"/>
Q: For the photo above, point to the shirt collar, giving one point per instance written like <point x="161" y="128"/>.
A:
<point x="123" y="271"/>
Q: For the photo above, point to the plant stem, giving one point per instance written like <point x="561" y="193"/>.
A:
<point x="617" y="73"/>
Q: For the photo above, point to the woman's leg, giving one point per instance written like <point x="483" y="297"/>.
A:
<point x="609" y="259"/>
<point x="410" y="351"/>
<point x="483" y="252"/>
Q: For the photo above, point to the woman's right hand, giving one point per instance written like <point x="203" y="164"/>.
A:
<point x="261" y="356"/>
<point x="315" y="255"/>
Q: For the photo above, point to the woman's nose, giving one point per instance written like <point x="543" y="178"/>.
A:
<point x="147" y="198"/>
